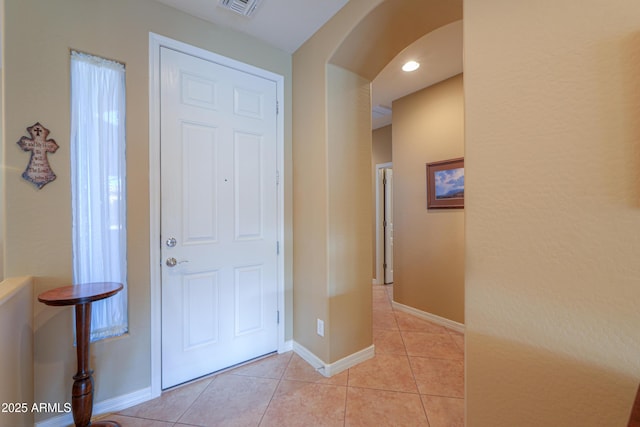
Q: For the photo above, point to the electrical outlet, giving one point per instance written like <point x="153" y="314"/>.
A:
<point x="320" y="328"/>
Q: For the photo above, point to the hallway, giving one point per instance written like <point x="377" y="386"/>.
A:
<point x="415" y="379"/>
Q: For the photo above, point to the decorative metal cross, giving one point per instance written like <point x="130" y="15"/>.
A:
<point x="38" y="170"/>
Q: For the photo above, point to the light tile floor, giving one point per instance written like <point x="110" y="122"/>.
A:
<point x="415" y="379"/>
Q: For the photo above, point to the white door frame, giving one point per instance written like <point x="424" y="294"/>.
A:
<point x="155" y="43"/>
<point x="379" y="279"/>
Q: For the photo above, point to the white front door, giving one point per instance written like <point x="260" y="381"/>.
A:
<point x="219" y="222"/>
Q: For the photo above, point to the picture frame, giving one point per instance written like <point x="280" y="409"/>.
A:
<point x="445" y="184"/>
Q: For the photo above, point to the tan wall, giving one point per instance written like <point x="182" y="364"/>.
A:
<point x="349" y="154"/>
<point x="381" y="146"/>
<point x="380" y="153"/>
<point x="552" y="212"/>
<point x="428" y="126"/>
<point x="38" y="35"/>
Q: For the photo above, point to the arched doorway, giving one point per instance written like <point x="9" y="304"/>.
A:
<point x="331" y="158"/>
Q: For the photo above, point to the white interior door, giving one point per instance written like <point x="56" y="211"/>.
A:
<point x="388" y="226"/>
<point x="219" y="216"/>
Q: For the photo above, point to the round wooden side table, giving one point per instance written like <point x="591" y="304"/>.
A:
<point x="81" y="296"/>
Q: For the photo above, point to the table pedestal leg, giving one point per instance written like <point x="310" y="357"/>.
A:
<point x="82" y="392"/>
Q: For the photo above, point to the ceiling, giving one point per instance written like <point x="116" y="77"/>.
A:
<point x="287" y="24"/>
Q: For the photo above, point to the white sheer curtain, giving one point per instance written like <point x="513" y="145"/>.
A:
<point x="98" y="185"/>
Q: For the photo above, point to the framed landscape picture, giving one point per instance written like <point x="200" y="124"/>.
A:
<point x="445" y="184"/>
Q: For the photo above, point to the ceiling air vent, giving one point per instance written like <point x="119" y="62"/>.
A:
<point x="241" y="7"/>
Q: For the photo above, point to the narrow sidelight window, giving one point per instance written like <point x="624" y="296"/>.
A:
<point x="98" y="185"/>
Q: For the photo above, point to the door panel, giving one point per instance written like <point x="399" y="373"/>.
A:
<point x="199" y="154"/>
<point x="219" y="203"/>
<point x="200" y="296"/>
<point x="249" y="302"/>
<point x="249" y="197"/>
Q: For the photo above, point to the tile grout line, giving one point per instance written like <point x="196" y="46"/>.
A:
<point x="275" y="390"/>
<point x="413" y="375"/>
<point x="346" y="398"/>
<point x="387" y="389"/>
<point x="196" y="398"/>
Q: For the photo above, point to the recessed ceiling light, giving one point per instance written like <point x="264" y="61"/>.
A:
<point x="410" y="66"/>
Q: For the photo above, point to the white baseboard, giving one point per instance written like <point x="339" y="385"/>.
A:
<point x="122" y="402"/>
<point x="308" y="356"/>
<point x="330" y="369"/>
<point x="104" y="407"/>
<point x="347" y="362"/>
<point x="458" y="327"/>
<point x="286" y="346"/>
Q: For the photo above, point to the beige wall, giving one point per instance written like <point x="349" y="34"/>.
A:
<point x="428" y="126"/>
<point x="38" y="35"/>
<point x="381" y="146"/>
<point x="381" y="143"/>
<point x="552" y="100"/>
<point x="349" y="154"/>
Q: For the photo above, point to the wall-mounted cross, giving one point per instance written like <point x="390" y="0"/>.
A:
<point x="38" y="170"/>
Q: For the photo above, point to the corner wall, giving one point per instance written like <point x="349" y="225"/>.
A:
<point x="348" y="40"/>
<point x="3" y="224"/>
<point x="16" y="351"/>
<point x="552" y="97"/>
<point x="428" y="126"/>
<point x="319" y="276"/>
<point x="349" y="154"/>
<point x="2" y="192"/>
